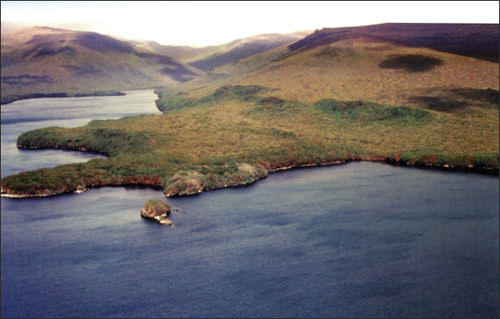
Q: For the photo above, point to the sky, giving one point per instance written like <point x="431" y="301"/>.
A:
<point x="210" y="23"/>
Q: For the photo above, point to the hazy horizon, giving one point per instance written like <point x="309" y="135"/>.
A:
<point x="212" y="23"/>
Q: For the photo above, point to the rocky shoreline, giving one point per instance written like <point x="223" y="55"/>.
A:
<point x="54" y="146"/>
<point x="192" y="183"/>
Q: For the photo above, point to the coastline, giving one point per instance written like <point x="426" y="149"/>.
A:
<point x="488" y="171"/>
<point x="12" y="98"/>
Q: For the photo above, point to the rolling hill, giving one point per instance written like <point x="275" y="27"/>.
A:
<point x="398" y="64"/>
<point x="48" y="60"/>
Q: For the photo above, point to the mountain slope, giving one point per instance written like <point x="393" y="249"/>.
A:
<point x="48" y="60"/>
<point x="242" y="48"/>
<point x="210" y="57"/>
<point x="370" y="64"/>
<point x="475" y="40"/>
<point x="181" y="53"/>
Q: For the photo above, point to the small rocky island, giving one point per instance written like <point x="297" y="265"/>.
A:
<point x="158" y="211"/>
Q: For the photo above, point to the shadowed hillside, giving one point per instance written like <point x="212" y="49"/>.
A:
<point x="47" y="60"/>
<point x="475" y="40"/>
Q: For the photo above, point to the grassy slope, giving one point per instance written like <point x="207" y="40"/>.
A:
<point x="288" y="113"/>
<point x="464" y="90"/>
<point x="350" y="70"/>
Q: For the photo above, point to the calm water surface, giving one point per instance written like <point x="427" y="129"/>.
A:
<point x="357" y="240"/>
<point x="25" y="115"/>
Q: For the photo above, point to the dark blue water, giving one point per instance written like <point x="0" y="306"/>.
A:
<point x="357" y="240"/>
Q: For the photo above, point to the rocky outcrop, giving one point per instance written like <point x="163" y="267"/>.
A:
<point x="185" y="183"/>
<point x="193" y="182"/>
<point x="158" y="211"/>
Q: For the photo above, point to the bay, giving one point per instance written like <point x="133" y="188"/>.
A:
<point x="355" y="240"/>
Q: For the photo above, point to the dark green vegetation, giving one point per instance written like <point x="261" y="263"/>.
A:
<point x="411" y="62"/>
<point x="370" y="112"/>
<point x="334" y="96"/>
<point x="169" y="101"/>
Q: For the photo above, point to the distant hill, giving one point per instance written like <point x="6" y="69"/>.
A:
<point x="475" y="40"/>
<point x="242" y="48"/>
<point x="44" y="60"/>
<point x="48" y="60"/>
<point x="181" y="53"/>
<point x="210" y="57"/>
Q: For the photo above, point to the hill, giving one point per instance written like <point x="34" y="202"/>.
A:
<point x="475" y="40"/>
<point x="309" y="103"/>
<point x="371" y="63"/>
<point x="47" y="60"/>
<point x="242" y="48"/>
<point x="181" y="53"/>
<point x="210" y="57"/>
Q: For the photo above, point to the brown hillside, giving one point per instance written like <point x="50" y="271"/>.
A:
<point x="46" y="60"/>
<point x="354" y="64"/>
<point x="376" y="71"/>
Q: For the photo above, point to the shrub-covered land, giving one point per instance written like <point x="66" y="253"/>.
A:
<point x="238" y="134"/>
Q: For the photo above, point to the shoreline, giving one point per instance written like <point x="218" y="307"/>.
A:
<point x="80" y="149"/>
<point x="486" y="171"/>
<point x="13" y="98"/>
